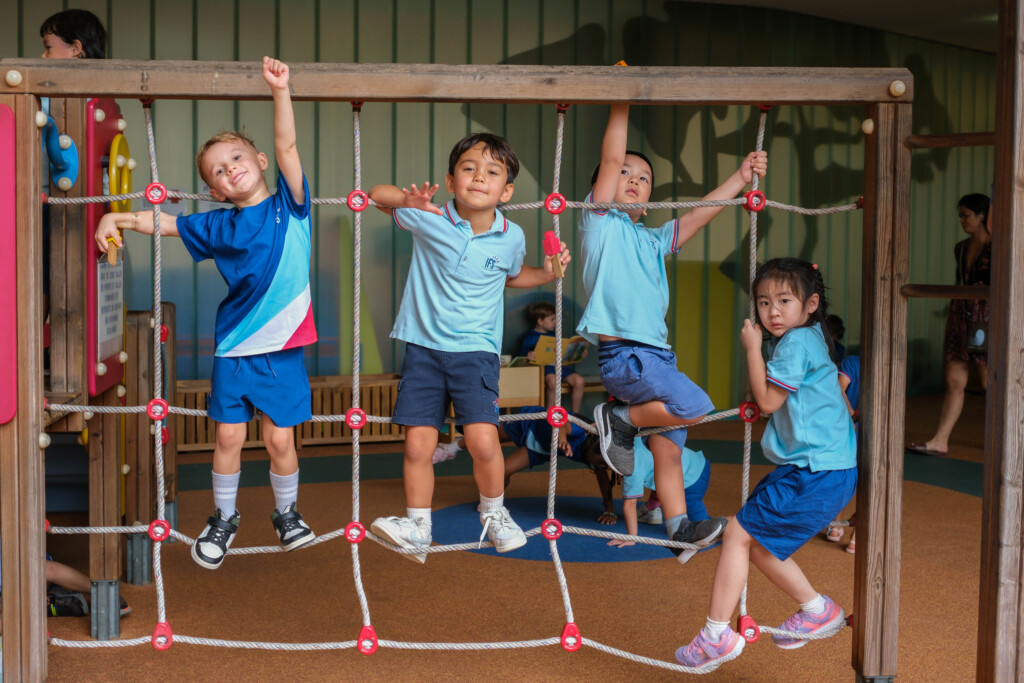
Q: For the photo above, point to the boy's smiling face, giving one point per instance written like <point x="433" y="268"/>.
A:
<point x="634" y="184"/>
<point x="234" y="172"/>
<point x="480" y="181"/>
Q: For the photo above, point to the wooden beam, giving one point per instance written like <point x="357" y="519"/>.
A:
<point x="1000" y="630"/>
<point x="883" y="348"/>
<point x="459" y="82"/>
<point x="946" y="140"/>
<point x="21" y="459"/>
<point x="945" y="292"/>
<point x="105" y="488"/>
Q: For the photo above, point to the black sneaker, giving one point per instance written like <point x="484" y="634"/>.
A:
<point x="64" y="603"/>
<point x="212" y="545"/>
<point x="616" y="437"/>
<point x="126" y="609"/>
<point x="290" y="528"/>
<point x="700" y="534"/>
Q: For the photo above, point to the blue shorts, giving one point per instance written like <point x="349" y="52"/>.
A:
<point x="566" y="371"/>
<point x="792" y="505"/>
<point x="535" y="435"/>
<point x="638" y="373"/>
<point x="274" y="382"/>
<point x="695" y="492"/>
<point x="434" y="380"/>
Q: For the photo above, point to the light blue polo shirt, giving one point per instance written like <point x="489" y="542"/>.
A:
<point x="624" y="276"/>
<point x="454" y="296"/>
<point x="813" y="427"/>
<point x="643" y="469"/>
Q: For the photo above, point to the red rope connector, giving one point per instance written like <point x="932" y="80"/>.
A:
<point x="551" y="529"/>
<point x="357" y="200"/>
<point x="159" y="530"/>
<point x="157" y="409"/>
<point x="47" y="530"/>
<point x="163" y="637"/>
<point x="355" y="532"/>
<point x="754" y="200"/>
<point x="164" y="333"/>
<point x="355" y="418"/>
<point x="860" y="202"/>
<point x="156" y="193"/>
<point x="749" y="412"/>
<point x="748" y="628"/>
<point x="147" y="102"/>
<point x="562" y="107"/>
<point x="555" y="203"/>
<point x="571" y="639"/>
<point x="45" y="198"/>
<point x="849" y="620"/>
<point x="765" y="108"/>
<point x="557" y="416"/>
<point x="165" y="435"/>
<point x="367" y="643"/>
<point x="357" y="106"/>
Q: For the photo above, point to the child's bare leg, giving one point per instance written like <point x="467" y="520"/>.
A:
<point x="417" y="468"/>
<point x="731" y="573"/>
<point x="787" y="575"/>
<point x="549" y="389"/>
<point x="654" y="414"/>
<point x="517" y="462"/>
<point x="668" y="475"/>
<point x="69" y="578"/>
<point x="227" y="453"/>
<point x="576" y="386"/>
<point x="280" y="443"/>
<point x="488" y="463"/>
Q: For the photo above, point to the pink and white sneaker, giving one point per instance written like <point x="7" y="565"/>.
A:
<point x="706" y="656"/>
<point x="832" y="619"/>
<point x="445" y="451"/>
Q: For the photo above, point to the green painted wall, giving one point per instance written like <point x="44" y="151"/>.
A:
<point x="816" y="153"/>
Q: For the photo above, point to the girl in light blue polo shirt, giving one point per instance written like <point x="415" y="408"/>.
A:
<point x="810" y="437"/>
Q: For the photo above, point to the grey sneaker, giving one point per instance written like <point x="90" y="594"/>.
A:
<point x="405" y="533"/>
<point x="700" y="534"/>
<point x="616" y="437"/>
<point x="503" y="532"/>
<point x="645" y="516"/>
<point x="212" y="545"/>
<point x="290" y="528"/>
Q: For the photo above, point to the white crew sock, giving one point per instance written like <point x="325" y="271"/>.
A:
<point x="487" y="504"/>
<point x="419" y="513"/>
<point x="814" y="606"/>
<point x="225" y="492"/>
<point x="713" y="629"/>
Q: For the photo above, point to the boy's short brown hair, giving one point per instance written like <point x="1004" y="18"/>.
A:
<point x="540" y="310"/>
<point x="495" y="145"/>
<point x="223" y="136"/>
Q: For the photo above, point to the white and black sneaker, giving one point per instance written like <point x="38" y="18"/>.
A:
<point x="616" y="438"/>
<point x="212" y="545"/>
<point x="290" y="528"/>
<point x="404" y="532"/>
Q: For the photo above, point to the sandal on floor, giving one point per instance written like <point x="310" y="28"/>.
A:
<point x="834" y="534"/>
<point x="923" y="449"/>
<point x="852" y="548"/>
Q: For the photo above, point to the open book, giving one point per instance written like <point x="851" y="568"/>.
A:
<point x="574" y="350"/>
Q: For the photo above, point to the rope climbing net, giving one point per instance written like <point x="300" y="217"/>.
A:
<point x="551" y="529"/>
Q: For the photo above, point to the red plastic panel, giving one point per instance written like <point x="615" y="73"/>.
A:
<point x="8" y="271"/>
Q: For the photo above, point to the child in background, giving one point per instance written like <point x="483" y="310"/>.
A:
<point x="696" y="469"/>
<point x="837" y="330"/>
<point x="463" y="257"/>
<point x="533" y="438"/>
<point x="849" y="382"/>
<point x="626" y="282"/>
<point x="262" y="249"/>
<point x="542" y="317"/>
<point x="812" y="440"/>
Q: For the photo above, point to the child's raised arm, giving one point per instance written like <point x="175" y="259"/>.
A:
<point x="276" y="74"/>
<point x="693" y="220"/>
<point x="613" y="153"/>
<point x="769" y="397"/>
<point x="532" y="276"/>
<point x="413" y="197"/>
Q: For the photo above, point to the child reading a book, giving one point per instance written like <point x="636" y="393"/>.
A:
<point x="542" y="317"/>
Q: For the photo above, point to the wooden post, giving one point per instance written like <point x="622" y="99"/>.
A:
<point x="883" y="347"/>
<point x="105" y="489"/>
<point x="21" y="459"/>
<point x="999" y="615"/>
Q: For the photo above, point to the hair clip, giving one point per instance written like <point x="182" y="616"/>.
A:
<point x="814" y="265"/>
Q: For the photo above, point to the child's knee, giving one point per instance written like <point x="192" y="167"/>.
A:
<point x="231" y="437"/>
<point x="735" y="535"/>
<point x="279" y="441"/>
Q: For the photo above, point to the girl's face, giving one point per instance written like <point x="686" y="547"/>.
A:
<point x="55" y="48"/>
<point x="780" y="309"/>
<point x="971" y="222"/>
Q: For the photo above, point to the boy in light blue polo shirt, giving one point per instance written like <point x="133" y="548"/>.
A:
<point x="626" y="281"/>
<point x="464" y="255"/>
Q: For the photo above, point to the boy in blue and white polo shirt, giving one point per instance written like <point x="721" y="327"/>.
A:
<point x="262" y="249"/>
<point x="464" y="255"/>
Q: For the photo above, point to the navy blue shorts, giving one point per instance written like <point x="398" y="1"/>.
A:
<point x="535" y="435"/>
<point x="274" y="382"/>
<point x="434" y="380"/>
<point x="638" y="373"/>
<point x="695" y="492"/>
<point x="792" y="505"/>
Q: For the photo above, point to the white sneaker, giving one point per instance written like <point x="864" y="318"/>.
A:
<point x="503" y="532"/>
<point x="645" y="516"/>
<point x="445" y="451"/>
<point x="405" y="533"/>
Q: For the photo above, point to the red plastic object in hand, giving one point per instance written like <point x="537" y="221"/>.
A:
<point x="355" y="532"/>
<point x="157" y="409"/>
<point x="553" y="249"/>
<point x="355" y="418"/>
<point x="755" y="200"/>
<point x="571" y="638"/>
<point x="367" y="643"/>
<point x="159" y="530"/>
<point x="551" y="529"/>
<point x="163" y="637"/>
<point x="749" y="412"/>
<point x="357" y="200"/>
<point x="748" y="628"/>
<point x="557" y="416"/>
<point x="156" y="193"/>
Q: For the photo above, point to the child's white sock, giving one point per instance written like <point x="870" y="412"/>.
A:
<point x="225" y="492"/>
<point x="622" y="412"/>
<point x="445" y="451"/>
<point x="286" y="489"/>
<point x="713" y="629"/>
<point x="672" y="524"/>
<point x="814" y="606"/>
<point x="491" y="503"/>
<point x="419" y="513"/>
